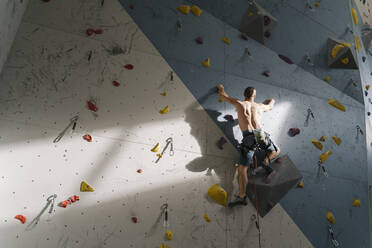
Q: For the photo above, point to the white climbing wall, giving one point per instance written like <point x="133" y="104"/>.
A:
<point x="48" y="79"/>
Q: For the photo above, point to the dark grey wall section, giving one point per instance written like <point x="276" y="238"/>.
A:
<point x="295" y="90"/>
<point x="300" y="31"/>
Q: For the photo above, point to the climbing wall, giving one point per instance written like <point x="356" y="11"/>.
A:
<point x="11" y="13"/>
<point x="295" y="91"/>
<point x="53" y="71"/>
<point x="364" y="7"/>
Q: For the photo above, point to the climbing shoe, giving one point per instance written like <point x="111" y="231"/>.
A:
<point x="270" y="177"/>
<point x="238" y="201"/>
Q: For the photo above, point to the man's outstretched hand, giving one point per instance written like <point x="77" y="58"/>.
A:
<point x="221" y="89"/>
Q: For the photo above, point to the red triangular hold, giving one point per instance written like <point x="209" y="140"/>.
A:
<point x="286" y="59"/>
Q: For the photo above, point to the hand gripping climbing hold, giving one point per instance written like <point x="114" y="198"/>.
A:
<point x="85" y="187"/>
<point x="337" y="104"/>
<point x="356" y="202"/>
<point x="217" y="193"/>
<point x="207" y="63"/>
<point x="207" y="219"/>
<point x="196" y="10"/>
<point x="169" y="234"/>
<point x="325" y="156"/>
<point x="331" y="217"/>
<point x="226" y="40"/>
<point x="185" y="9"/>
<point x="317" y="144"/>
<point x="156" y="148"/>
<point x="337" y="140"/>
<point x="21" y="218"/>
<point x="355" y="16"/>
<point x="165" y="110"/>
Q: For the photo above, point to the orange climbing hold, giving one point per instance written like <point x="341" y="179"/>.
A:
<point x="87" y="137"/>
<point x="21" y="218"/>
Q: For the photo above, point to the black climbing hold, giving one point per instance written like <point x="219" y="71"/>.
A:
<point x="199" y="40"/>
<point x="364" y="59"/>
<point x="366" y="93"/>
<point x="267" y="20"/>
<point x="267" y="34"/>
<point x="369" y="113"/>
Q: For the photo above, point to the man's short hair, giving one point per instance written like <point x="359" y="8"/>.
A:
<point x="249" y="92"/>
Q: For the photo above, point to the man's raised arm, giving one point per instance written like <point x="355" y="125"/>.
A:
<point x="267" y="105"/>
<point x="225" y="96"/>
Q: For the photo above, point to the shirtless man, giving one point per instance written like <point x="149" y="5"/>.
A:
<point x="249" y="117"/>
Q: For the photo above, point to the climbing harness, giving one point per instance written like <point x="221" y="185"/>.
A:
<point x="321" y="165"/>
<point x="72" y="123"/>
<point x="164" y="209"/>
<point x="171" y="152"/>
<point x="332" y="235"/>
<point x="51" y="203"/>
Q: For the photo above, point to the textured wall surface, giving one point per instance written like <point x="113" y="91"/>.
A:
<point x="296" y="90"/>
<point x="11" y="12"/>
<point x="48" y="79"/>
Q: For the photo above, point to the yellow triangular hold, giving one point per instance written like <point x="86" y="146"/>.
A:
<point x="85" y="187"/>
<point x="327" y="79"/>
<point x="317" y="144"/>
<point x="301" y="184"/>
<point x="356" y="202"/>
<point x="345" y="61"/>
<point x="207" y="219"/>
<point x="196" y="10"/>
<point x="355" y="16"/>
<point x="165" y="110"/>
<point x="337" y="104"/>
<point x="207" y="63"/>
<point x="156" y="148"/>
<point x="323" y="138"/>
<point x="218" y="194"/>
<point x="337" y="140"/>
<point x="185" y="9"/>
<point x="324" y="156"/>
<point x="336" y="49"/>
<point x="226" y="40"/>
<point x="359" y="46"/>
<point x="368" y="86"/>
<point x="331" y="217"/>
<point x="169" y="235"/>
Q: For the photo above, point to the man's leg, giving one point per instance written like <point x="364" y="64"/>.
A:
<point x="241" y="199"/>
<point x="272" y="153"/>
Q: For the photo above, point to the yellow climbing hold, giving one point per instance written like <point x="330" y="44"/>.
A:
<point x="85" y="187"/>
<point x="164" y="246"/>
<point x="301" y="184"/>
<point x="217" y="193"/>
<point x="325" y="156"/>
<point x="156" y="148"/>
<point x="185" y="9"/>
<point x="317" y="144"/>
<point x="337" y="104"/>
<point x="355" y="16"/>
<point x="164" y="93"/>
<point x="159" y="155"/>
<point x="347" y="44"/>
<point x="250" y="14"/>
<point x="226" y="40"/>
<point x="317" y="5"/>
<point x="337" y="140"/>
<point x="368" y="86"/>
<point x="345" y="61"/>
<point x="358" y="42"/>
<point x="323" y="138"/>
<point x="207" y="63"/>
<point x="220" y="99"/>
<point x="169" y="235"/>
<point x="336" y="49"/>
<point x="356" y="202"/>
<point x="327" y="79"/>
<point x="331" y="217"/>
<point x="196" y="10"/>
<point x="165" y="110"/>
<point x="207" y="219"/>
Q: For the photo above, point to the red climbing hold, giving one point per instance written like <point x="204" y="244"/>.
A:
<point x="21" y="218"/>
<point x="221" y="142"/>
<point x="267" y="34"/>
<point x="267" y="20"/>
<point x="286" y="59"/>
<point x="90" y="31"/>
<point x="294" y="131"/>
<point x="46" y="1"/>
<point x="64" y="204"/>
<point x="134" y="219"/>
<point x="244" y="36"/>
<point x="75" y="198"/>
<point x="116" y="83"/>
<point x="92" y="106"/>
<point x="88" y="138"/>
<point x="199" y="40"/>
<point x="129" y="66"/>
<point x="131" y="6"/>
<point x="139" y="170"/>
<point x="266" y="73"/>
<point x="98" y="31"/>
